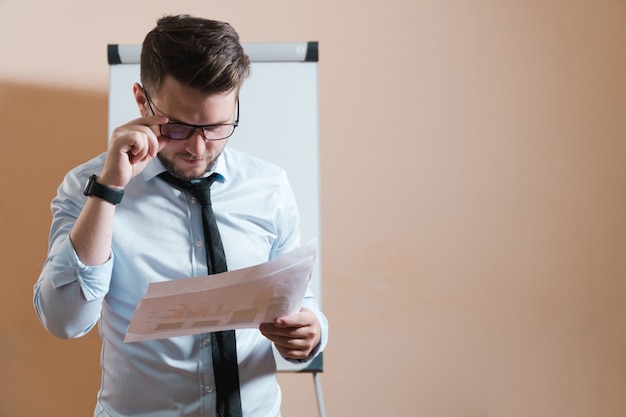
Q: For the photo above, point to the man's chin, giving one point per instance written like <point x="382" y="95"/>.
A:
<point x="186" y="169"/>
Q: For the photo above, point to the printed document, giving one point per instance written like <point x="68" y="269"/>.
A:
<point x="238" y="299"/>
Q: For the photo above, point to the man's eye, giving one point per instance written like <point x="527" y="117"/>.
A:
<point x="178" y="127"/>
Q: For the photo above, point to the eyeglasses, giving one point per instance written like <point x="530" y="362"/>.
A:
<point x="183" y="131"/>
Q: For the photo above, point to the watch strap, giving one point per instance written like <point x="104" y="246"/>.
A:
<point x="103" y="192"/>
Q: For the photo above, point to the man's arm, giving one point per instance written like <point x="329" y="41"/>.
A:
<point x="69" y="293"/>
<point x="300" y="336"/>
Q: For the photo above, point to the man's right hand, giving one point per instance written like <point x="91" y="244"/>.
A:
<point x="131" y="148"/>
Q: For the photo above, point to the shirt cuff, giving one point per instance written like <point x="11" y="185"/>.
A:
<point x="66" y="268"/>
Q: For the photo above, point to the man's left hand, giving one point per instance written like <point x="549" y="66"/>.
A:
<point x="295" y="336"/>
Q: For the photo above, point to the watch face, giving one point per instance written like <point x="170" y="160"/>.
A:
<point x="88" y="186"/>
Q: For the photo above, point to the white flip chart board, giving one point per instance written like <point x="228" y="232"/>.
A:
<point x="278" y="123"/>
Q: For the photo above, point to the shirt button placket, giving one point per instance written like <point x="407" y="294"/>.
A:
<point x="207" y="383"/>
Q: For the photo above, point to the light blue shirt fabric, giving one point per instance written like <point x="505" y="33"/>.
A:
<point x="158" y="236"/>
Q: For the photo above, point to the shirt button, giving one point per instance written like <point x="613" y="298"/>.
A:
<point x="193" y="200"/>
<point x="198" y="243"/>
<point x="207" y="389"/>
<point x="206" y="342"/>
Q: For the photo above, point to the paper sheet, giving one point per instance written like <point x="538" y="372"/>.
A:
<point x="244" y="298"/>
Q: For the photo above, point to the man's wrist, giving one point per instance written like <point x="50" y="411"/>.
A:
<point x="104" y="192"/>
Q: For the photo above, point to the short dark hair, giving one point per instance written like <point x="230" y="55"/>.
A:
<point x="201" y="53"/>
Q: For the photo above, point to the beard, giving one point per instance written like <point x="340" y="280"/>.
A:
<point x="170" y="165"/>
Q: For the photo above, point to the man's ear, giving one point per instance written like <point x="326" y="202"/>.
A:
<point x="141" y="100"/>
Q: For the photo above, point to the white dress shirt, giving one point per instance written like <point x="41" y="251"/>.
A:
<point x="158" y="236"/>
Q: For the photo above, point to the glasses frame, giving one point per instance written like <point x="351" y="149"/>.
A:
<point x="234" y="124"/>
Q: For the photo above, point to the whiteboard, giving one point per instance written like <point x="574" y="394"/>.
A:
<point x="278" y="123"/>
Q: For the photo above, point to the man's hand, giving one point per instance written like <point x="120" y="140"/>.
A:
<point x="294" y="336"/>
<point x="131" y="147"/>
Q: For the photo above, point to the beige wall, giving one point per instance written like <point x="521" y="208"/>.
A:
<point x="474" y="207"/>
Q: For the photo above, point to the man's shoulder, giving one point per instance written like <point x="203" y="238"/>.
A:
<point x="240" y="161"/>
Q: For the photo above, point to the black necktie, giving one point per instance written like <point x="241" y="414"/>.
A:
<point x="223" y="343"/>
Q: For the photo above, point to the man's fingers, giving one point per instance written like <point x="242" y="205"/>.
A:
<point x="300" y="319"/>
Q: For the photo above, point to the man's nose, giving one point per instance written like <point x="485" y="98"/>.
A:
<point x="196" y="143"/>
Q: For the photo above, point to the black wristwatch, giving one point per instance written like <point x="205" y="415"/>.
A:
<point x="96" y="189"/>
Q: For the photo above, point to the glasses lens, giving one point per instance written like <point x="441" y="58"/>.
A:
<point x="176" y="131"/>
<point x="214" y="132"/>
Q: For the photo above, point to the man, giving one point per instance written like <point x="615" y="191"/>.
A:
<point x="130" y="227"/>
